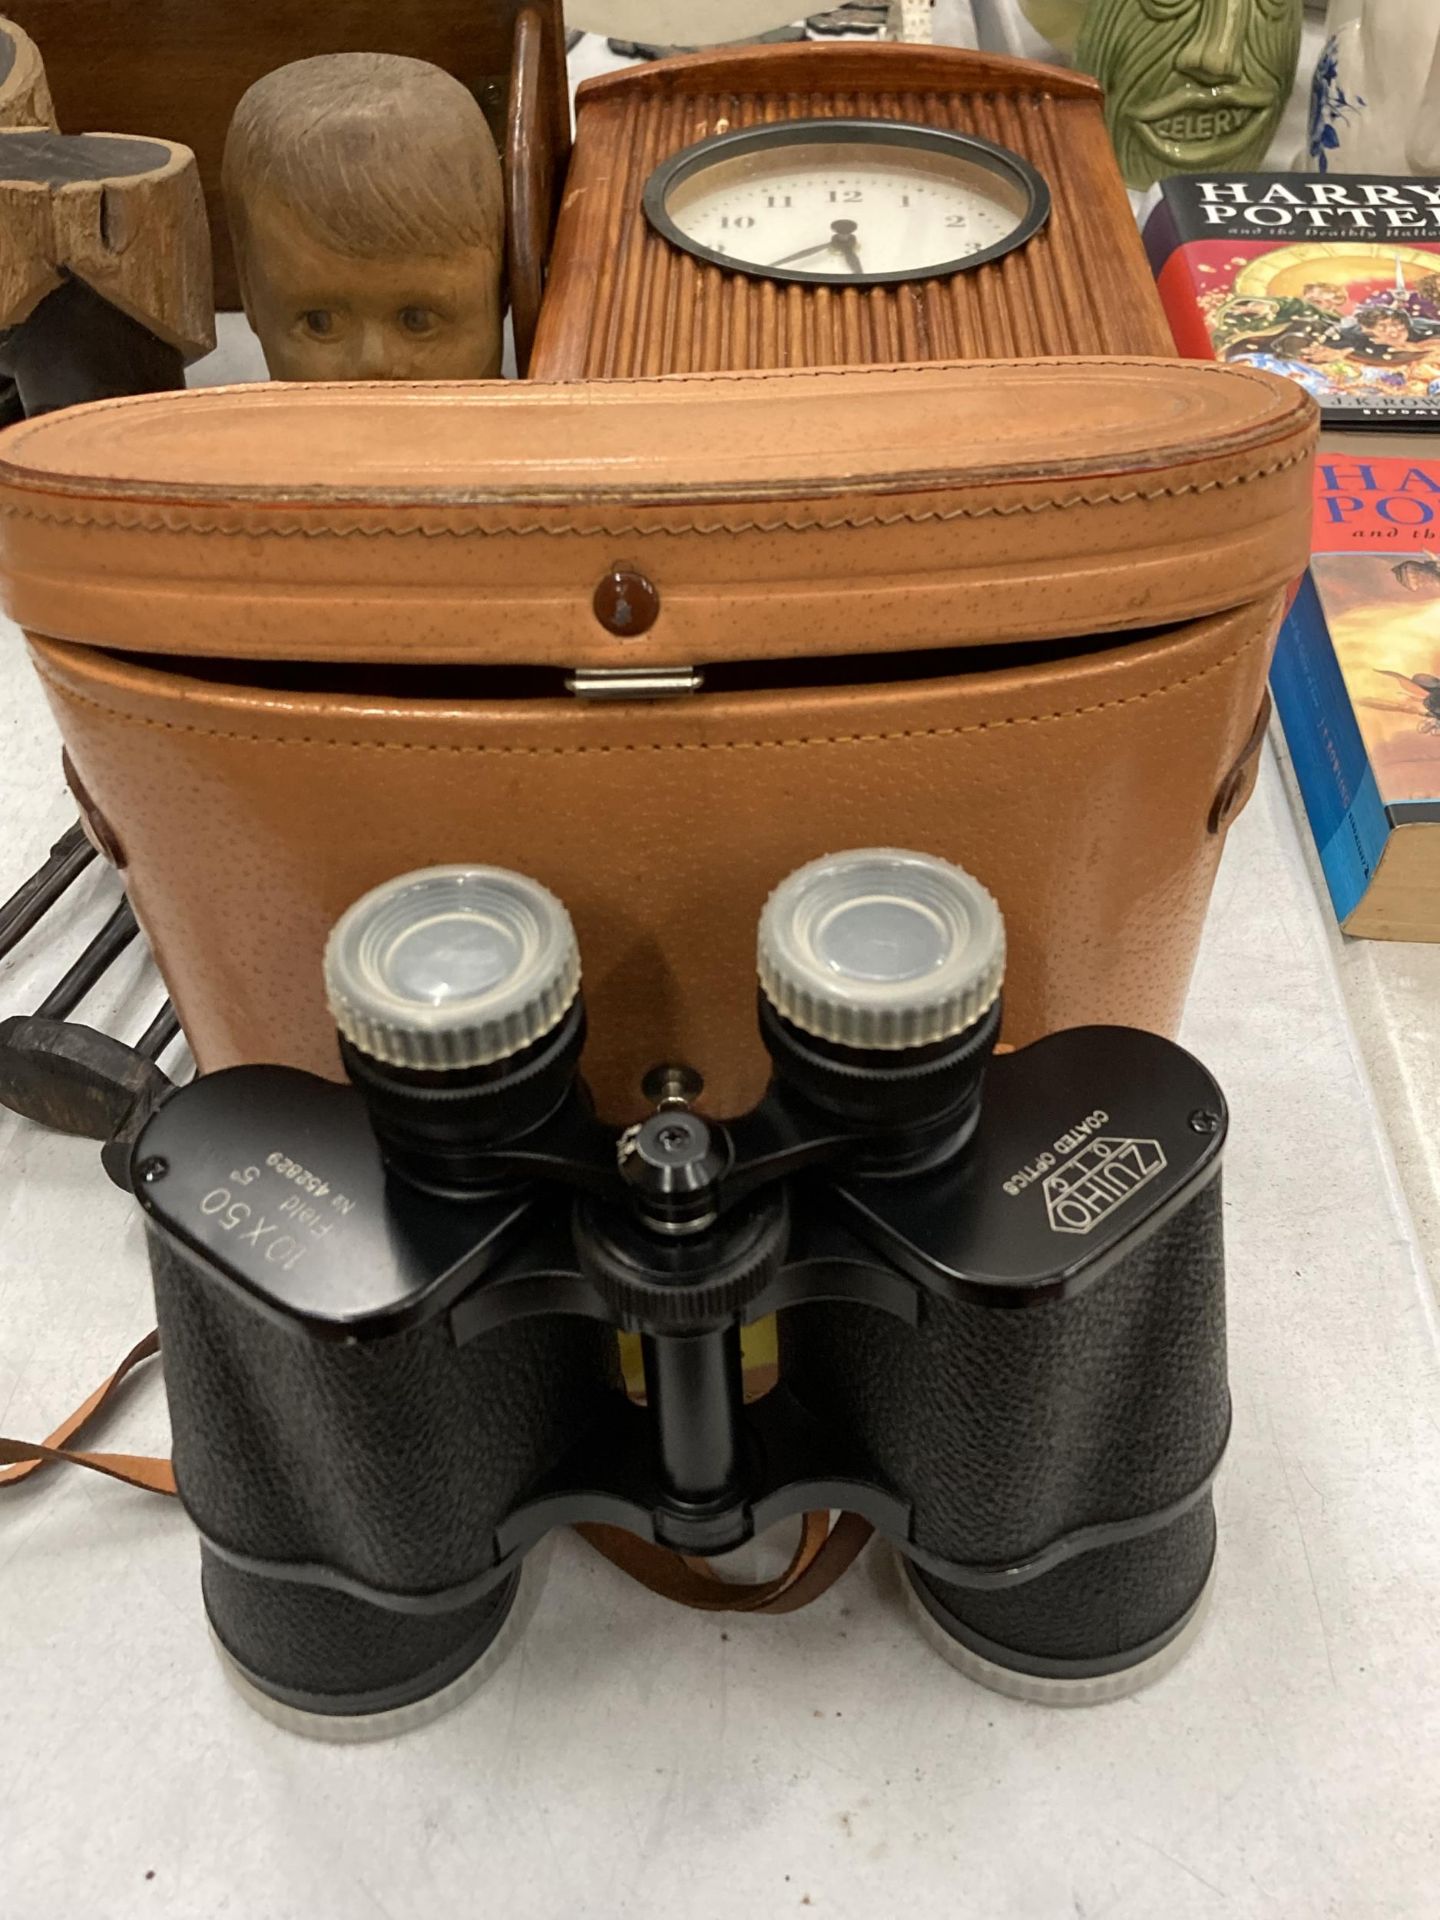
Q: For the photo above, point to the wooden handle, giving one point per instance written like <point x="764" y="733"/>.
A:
<point x="529" y="185"/>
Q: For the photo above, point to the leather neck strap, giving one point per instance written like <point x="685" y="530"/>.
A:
<point x="821" y="1556"/>
<point x="136" y="1470"/>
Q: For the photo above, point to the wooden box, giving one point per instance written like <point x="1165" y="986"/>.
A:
<point x="623" y="301"/>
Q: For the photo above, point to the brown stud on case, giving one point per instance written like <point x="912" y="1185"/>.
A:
<point x="300" y="639"/>
<point x="93" y="824"/>
<point x="626" y="603"/>
<point x="1238" y="785"/>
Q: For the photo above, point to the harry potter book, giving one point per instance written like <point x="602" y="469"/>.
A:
<point x="1330" y="279"/>
<point x="1356" y="682"/>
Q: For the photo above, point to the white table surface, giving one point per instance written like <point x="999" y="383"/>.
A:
<point x="633" y="1760"/>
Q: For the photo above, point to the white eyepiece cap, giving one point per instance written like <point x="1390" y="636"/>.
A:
<point x="451" y="967"/>
<point x="880" y="948"/>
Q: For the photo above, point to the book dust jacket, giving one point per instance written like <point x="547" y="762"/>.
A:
<point x="1356" y="680"/>
<point x="1330" y="279"/>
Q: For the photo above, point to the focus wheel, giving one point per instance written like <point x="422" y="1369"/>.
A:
<point x="676" y="1284"/>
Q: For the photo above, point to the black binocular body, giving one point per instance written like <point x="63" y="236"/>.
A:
<point x="389" y="1310"/>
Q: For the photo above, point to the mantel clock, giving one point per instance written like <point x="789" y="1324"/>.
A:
<point x="803" y="205"/>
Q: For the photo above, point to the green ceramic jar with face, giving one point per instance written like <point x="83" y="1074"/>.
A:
<point x="1191" y="86"/>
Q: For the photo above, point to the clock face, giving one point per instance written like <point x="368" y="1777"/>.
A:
<point x="846" y="202"/>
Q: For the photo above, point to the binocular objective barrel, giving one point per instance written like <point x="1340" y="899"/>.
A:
<point x="1020" y="1434"/>
<point x="456" y="992"/>
<point x="1027" y="1439"/>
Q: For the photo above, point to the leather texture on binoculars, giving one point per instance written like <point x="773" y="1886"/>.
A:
<point x="1016" y="613"/>
<point x="391" y="1461"/>
<point x="397" y="1462"/>
<point x="1033" y="1413"/>
<point x="1007" y="1424"/>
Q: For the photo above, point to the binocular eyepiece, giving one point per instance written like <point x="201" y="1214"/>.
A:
<point x="456" y="993"/>
<point x="389" y="1309"/>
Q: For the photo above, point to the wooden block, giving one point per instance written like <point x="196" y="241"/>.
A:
<point x="24" y="102"/>
<point x="24" y="90"/>
<point x="124" y="216"/>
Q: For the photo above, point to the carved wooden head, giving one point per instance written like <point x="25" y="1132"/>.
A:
<point x="365" y="199"/>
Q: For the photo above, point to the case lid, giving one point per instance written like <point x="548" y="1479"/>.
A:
<point x="779" y="514"/>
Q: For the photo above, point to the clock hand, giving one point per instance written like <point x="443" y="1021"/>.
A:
<point x="842" y="241"/>
<point x="804" y="252"/>
<point x="846" y="243"/>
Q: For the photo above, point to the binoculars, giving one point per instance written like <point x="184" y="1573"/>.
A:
<point x="388" y="1309"/>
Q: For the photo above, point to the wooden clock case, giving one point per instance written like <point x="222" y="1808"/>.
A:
<point x="621" y="301"/>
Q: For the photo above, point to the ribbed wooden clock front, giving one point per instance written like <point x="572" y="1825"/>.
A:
<point x="622" y="300"/>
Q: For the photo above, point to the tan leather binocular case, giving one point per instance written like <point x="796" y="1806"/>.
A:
<point x="300" y="639"/>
